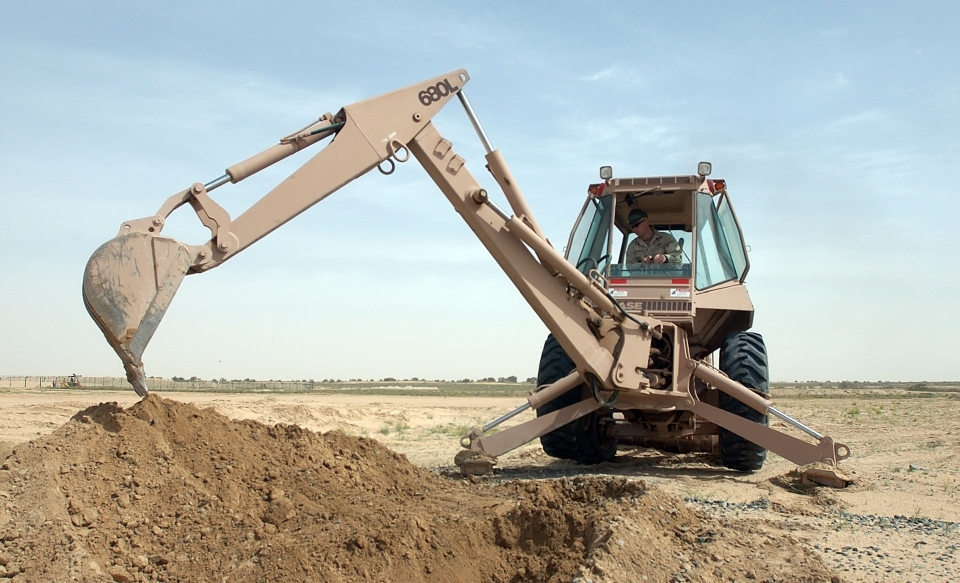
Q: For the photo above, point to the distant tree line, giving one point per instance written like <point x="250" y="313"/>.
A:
<point x="509" y="379"/>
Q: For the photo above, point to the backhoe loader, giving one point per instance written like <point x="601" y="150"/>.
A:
<point x="628" y="359"/>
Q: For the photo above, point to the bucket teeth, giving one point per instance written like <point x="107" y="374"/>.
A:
<point x="136" y="378"/>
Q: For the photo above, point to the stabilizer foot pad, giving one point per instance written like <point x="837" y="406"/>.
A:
<point x="820" y="474"/>
<point x="474" y="463"/>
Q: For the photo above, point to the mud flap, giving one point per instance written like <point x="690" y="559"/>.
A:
<point x="128" y="285"/>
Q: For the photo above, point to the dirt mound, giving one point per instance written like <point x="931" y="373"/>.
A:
<point x="164" y="491"/>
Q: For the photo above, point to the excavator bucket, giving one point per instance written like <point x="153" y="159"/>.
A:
<point x="127" y="286"/>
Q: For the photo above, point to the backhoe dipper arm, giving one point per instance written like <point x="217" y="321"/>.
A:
<point x="130" y="281"/>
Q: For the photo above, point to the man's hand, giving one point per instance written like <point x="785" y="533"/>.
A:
<point x="658" y="258"/>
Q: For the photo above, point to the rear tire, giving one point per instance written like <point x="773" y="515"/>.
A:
<point x="743" y="357"/>
<point x="579" y="440"/>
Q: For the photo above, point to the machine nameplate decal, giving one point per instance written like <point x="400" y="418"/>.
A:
<point x="434" y="93"/>
<point x="680" y="292"/>
<point x="618" y="293"/>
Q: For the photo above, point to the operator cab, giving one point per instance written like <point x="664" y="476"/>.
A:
<point x="692" y="210"/>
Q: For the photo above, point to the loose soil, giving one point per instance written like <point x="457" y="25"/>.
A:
<point x="289" y="489"/>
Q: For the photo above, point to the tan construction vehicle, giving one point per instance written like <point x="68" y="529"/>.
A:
<point x="629" y="354"/>
<point x="71" y="381"/>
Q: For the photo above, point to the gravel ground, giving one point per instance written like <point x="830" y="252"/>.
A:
<point x="861" y="547"/>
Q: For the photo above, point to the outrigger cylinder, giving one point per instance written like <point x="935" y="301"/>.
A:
<point x="795" y="423"/>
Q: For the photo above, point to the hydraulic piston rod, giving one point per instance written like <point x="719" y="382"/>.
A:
<point x="475" y="121"/>
<point x="506" y="417"/>
<point x="536" y="399"/>
<point x="214" y="184"/>
<point x="755" y="401"/>
<point x="795" y="423"/>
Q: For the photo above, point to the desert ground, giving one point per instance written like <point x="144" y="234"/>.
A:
<point x="70" y="486"/>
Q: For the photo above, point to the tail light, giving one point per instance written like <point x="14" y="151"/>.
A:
<point x="596" y="189"/>
<point x="716" y="186"/>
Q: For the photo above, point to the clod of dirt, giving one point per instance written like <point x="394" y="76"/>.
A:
<point x="164" y="491"/>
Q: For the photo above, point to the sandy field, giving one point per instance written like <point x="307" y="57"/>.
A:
<point x="898" y="522"/>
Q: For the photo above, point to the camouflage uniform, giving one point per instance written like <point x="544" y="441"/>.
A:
<point x="660" y="243"/>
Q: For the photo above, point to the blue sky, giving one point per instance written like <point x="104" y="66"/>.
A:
<point x="835" y="124"/>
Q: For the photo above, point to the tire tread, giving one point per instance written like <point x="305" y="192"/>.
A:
<point x="743" y="357"/>
<point x="577" y="440"/>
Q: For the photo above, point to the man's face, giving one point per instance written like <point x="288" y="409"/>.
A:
<point x="643" y="230"/>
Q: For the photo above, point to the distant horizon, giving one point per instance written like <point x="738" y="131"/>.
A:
<point x="465" y="380"/>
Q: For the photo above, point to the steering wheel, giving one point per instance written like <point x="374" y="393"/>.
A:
<point x="590" y="260"/>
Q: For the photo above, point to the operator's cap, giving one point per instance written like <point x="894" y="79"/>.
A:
<point x="636" y="217"/>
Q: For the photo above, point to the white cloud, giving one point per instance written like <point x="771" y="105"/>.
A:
<point x="617" y="76"/>
<point x="151" y="94"/>
<point x="868" y="117"/>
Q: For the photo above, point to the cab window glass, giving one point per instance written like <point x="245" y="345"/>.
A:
<point x="682" y="269"/>
<point x="588" y="246"/>
<point x="720" y="254"/>
<point x="733" y="235"/>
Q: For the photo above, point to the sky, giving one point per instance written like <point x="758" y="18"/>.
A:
<point x="835" y="125"/>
